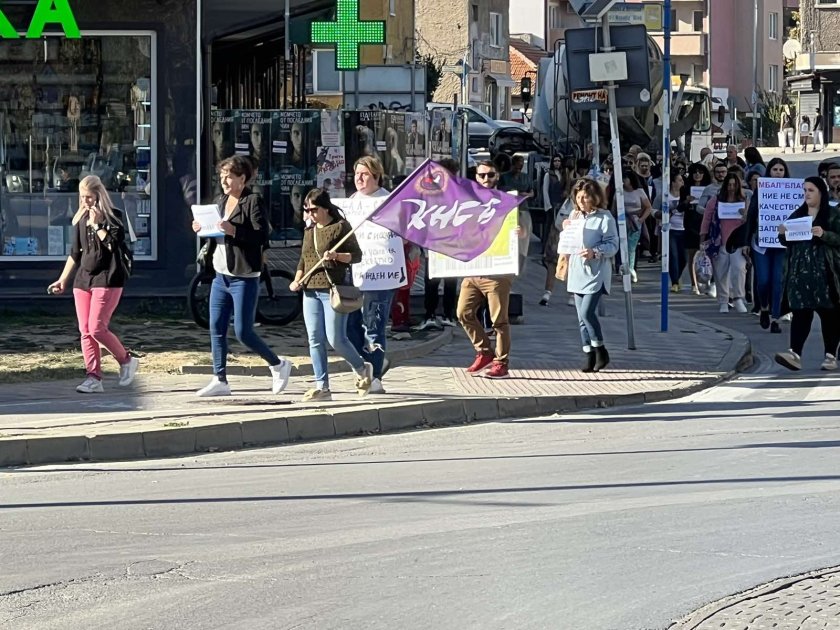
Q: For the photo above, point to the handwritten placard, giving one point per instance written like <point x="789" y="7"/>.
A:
<point x="697" y="192"/>
<point x="571" y="238"/>
<point x="730" y="210"/>
<point x="777" y="199"/>
<point x="799" y="229"/>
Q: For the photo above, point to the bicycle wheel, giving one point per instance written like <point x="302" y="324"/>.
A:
<point x="198" y="299"/>
<point x="277" y="305"/>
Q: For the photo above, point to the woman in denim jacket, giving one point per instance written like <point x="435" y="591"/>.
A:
<point x="590" y="269"/>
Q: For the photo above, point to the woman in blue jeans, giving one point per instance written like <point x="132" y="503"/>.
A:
<point x="768" y="262"/>
<point x="325" y="241"/>
<point x="237" y="260"/>
<point x="590" y="270"/>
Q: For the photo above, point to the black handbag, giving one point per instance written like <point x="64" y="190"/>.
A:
<point x="204" y="258"/>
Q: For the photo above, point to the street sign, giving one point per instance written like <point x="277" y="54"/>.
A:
<point x="348" y="33"/>
<point x="591" y="8"/>
<point x="630" y="39"/>
<point x="455" y="69"/>
<point x="648" y="14"/>
<point x="589" y="96"/>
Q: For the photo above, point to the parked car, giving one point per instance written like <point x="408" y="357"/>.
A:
<point x="480" y="125"/>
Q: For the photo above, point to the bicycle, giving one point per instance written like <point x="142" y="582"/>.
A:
<point x="276" y="305"/>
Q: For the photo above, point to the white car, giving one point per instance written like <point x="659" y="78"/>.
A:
<point x="480" y="125"/>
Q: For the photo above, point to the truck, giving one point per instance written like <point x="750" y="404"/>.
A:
<point x="567" y="131"/>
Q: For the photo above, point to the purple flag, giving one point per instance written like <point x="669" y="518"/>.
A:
<point x="444" y="213"/>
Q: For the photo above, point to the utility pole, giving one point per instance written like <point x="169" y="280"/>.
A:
<point x="665" y="193"/>
<point x="755" y="74"/>
<point x="619" y="193"/>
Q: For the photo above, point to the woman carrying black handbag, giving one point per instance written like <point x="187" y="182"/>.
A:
<point x="327" y="252"/>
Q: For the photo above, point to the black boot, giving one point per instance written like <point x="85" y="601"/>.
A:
<point x="589" y="362"/>
<point x="602" y="358"/>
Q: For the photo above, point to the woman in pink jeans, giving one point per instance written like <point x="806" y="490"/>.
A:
<point x="97" y="233"/>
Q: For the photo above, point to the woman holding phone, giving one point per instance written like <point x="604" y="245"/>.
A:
<point x="97" y="235"/>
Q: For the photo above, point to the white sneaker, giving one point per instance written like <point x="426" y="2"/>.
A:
<point x="830" y="363"/>
<point x="214" y="388"/>
<point x="724" y="308"/>
<point x="90" y="386"/>
<point x="128" y="370"/>
<point x="739" y="306"/>
<point x="376" y="387"/>
<point x="633" y="276"/>
<point x="712" y="292"/>
<point x="786" y="317"/>
<point x="365" y="379"/>
<point x="430" y="323"/>
<point x="448" y="322"/>
<point x="280" y="375"/>
<point x="546" y="297"/>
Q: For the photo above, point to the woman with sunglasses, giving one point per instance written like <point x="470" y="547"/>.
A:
<point x="327" y="228"/>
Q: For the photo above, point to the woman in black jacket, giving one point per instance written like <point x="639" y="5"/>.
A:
<point x="98" y="234"/>
<point x="237" y="260"/>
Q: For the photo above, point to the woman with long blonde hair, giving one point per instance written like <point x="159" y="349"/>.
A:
<point x="98" y="232"/>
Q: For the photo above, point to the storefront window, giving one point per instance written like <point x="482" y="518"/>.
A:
<point x="68" y="109"/>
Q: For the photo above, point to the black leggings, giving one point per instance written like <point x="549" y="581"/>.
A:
<point x="800" y="328"/>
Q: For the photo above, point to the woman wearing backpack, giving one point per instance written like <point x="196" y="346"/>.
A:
<point x="98" y="235"/>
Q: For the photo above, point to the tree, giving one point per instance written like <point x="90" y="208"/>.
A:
<point x="434" y="71"/>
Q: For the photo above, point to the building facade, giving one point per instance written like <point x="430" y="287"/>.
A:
<point x="476" y="32"/>
<point x="817" y="79"/>
<point x="711" y="43"/>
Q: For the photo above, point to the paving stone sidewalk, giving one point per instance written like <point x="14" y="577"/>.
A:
<point x="160" y="415"/>
<point x="806" y="602"/>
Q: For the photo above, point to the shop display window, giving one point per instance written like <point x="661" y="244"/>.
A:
<point x="71" y="108"/>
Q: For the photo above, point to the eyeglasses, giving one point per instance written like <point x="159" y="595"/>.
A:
<point x="490" y="175"/>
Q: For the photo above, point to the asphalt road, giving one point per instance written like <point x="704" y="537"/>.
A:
<point x="623" y="519"/>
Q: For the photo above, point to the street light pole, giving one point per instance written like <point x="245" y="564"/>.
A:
<point x="755" y="74"/>
<point x="665" y="192"/>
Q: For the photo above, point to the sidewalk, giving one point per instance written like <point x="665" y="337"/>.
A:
<point x="159" y="415"/>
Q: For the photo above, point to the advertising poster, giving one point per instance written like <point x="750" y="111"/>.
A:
<point x="364" y="134"/>
<point x="295" y="137"/>
<point x="253" y="130"/>
<point x="223" y="132"/>
<point x="777" y="199"/>
<point x="383" y="258"/>
<point x="331" y="170"/>
<point x="441" y="134"/>
<point x="331" y="128"/>
<point x="415" y="142"/>
<point x="394" y="156"/>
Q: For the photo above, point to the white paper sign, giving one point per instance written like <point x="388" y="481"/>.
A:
<point x="383" y="257"/>
<point x="207" y="216"/>
<point x="777" y="199"/>
<point x="799" y="229"/>
<point x="697" y="192"/>
<point x="571" y="238"/>
<point x="500" y="259"/>
<point x="730" y="210"/>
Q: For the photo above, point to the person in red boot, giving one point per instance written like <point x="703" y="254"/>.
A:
<point x="493" y="291"/>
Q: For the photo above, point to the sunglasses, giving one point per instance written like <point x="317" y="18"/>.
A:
<point x="490" y="175"/>
<point x="310" y="209"/>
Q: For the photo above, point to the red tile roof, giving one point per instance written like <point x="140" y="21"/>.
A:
<point x="523" y="58"/>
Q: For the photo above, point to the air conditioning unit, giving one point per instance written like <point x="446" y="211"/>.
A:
<point x="591" y="8"/>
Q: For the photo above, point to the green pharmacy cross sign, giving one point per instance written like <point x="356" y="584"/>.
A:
<point x="348" y="33"/>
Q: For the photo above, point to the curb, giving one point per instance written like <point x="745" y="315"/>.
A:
<point x="699" y="616"/>
<point x="740" y="352"/>
<point x="414" y="351"/>
<point x="326" y="424"/>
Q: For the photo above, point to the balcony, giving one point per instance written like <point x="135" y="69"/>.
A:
<point x="683" y="44"/>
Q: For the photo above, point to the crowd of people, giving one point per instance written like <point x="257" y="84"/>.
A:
<point x="714" y="242"/>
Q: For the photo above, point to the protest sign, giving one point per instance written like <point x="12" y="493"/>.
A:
<point x="697" y="192"/>
<point x="777" y="199"/>
<point x="571" y="238"/>
<point x="730" y="210"/>
<point x="799" y="229"/>
<point x="383" y="258"/>
<point x="500" y="259"/>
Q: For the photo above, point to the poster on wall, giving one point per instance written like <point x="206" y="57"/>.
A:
<point x="415" y="141"/>
<point x="394" y="156"/>
<point x="331" y="128"/>
<point x="331" y="171"/>
<point x="223" y="135"/>
<point x="364" y="134"/>
<point x="441" y="134"/>
<point x="295" y="137"/>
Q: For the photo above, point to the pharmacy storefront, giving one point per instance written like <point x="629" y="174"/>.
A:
<point x="96" y="87"/>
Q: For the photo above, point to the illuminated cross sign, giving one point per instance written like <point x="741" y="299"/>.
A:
<point x="348" y="33"/>
<point x="46" y="12"/>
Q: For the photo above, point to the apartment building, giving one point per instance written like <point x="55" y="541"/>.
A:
<point x="475" y="31"/>
<point x="711" y="42"/>
<point x="817" y="79"/>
